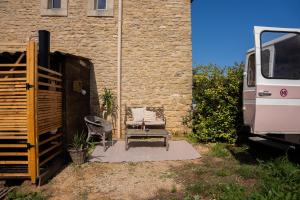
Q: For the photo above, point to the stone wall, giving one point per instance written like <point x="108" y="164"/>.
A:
<point x="157" y="57"/>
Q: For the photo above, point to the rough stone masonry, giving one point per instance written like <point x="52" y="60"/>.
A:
<point x="156" y="53"/>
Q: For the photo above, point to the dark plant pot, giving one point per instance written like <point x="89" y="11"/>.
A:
<point x="78" y="156"/>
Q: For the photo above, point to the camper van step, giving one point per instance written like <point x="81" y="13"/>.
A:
<point x="271" y="143"/>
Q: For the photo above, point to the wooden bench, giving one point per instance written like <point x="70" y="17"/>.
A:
<point x="147" y="133"/>
<point x="159" y="123"/>
<point x="146" y="129"/>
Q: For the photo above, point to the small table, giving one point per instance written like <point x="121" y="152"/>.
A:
<point x="150" y="133"/>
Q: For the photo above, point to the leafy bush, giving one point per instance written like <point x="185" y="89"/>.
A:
<point x="217" y="95"/>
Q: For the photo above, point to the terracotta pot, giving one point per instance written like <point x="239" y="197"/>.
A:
<point x="78" y="156"/>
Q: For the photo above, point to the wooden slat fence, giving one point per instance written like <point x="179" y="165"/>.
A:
<point x="30" y="116"/>
<point x="49" y="114"/>
<point x="14" y="155"/>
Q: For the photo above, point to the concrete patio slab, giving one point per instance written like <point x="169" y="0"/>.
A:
<point x="144" y="151"/>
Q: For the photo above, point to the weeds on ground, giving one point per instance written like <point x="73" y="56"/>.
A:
<point x="223" y="172"/>
<point x="173" y="189"/>
<point x="132" y="164"/>
<point x="231" y="191"/>
<point x="248" y="171"/>
<point x="167" y="174"/>
<point x="191" y="139"/>
<point x="219" y="150"/>
<point x="277" y="179"/>
<point x="82" y="195"/>
<point x="25" y="196"/>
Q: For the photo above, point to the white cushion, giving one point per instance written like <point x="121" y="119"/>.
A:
<point x="158" y="122"/>
<point x="149" y="116"/>
<point x="134" y="123"/>
<point x="138" y="114"/>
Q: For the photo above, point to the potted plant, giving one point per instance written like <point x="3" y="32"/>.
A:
<point x="109" y="107"/>
<point x="78" y="148"/>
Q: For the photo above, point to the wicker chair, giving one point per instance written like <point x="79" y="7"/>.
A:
<point x="100" y="127"/>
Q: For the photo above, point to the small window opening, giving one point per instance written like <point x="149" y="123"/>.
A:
<point x="251" y="71"/>
<point x="286" y="62"/>
<point x="54" y="4"/>
<point x="100" y="4"/>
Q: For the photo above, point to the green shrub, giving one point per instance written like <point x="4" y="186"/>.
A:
<point x="217" y="115"/>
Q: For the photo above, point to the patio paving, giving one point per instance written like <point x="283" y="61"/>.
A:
<point x="144" y="151"/>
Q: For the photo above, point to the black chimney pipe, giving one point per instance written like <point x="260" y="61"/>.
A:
<point x="44" y="48"/>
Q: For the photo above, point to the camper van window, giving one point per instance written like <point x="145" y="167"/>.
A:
<point x="286" y="58"/>
<point x="265" y="62"/>
<point x="251" y="71"/>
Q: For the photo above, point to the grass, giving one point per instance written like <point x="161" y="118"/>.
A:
<point x="191" y="139"/>
<point x="231" y="191"/>
<point x="280" y="179"/>
<point x="166" y="175"/>
<point x="25" y="196"/>
<point x="132" y="164"/>
<point x="219" y="150"/>
<point x="225" y="172"/>
<point x="230" y="179"/>
<point x="247" y="171"/>
<point x="173" y="189"/>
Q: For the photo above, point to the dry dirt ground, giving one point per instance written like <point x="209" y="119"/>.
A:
<point x="223" y="172"/>
<point x="144" y="180"/>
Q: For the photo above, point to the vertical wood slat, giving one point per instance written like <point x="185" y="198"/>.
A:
<point x="37" y="161"/>
<point x="31" y="110"/>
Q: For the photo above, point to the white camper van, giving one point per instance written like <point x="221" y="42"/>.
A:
<point x="271" y="93"/>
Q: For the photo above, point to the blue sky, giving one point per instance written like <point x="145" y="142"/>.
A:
<point x="222" y="30"/>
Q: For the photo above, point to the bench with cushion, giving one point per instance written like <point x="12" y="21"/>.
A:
<point x="145" y="122"/>
<point x="150" y="117"/>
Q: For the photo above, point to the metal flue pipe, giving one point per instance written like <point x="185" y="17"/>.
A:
<point x="119" y="78"/>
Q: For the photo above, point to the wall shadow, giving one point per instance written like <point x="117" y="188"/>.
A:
<point x="259" y="152"/>
<point x="95" y="100"/>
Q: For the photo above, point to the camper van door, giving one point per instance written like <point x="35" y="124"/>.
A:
<point x="277" y="98"/>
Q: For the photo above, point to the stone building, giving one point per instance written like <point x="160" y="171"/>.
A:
<point x="156" y="59"/>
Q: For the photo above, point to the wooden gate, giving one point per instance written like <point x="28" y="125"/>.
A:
<point x="30" y="116"/>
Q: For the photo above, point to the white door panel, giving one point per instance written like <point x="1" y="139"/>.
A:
<point x="277" y="99"/>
